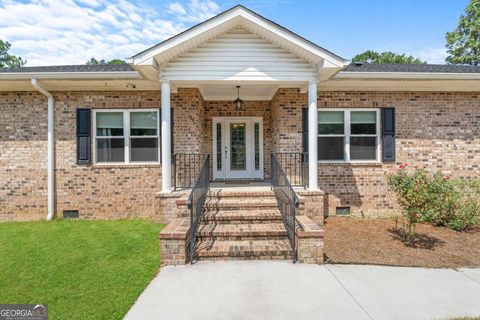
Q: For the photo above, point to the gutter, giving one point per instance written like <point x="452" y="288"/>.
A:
<point x="50" y="148"/>
<point x="408" y="75"/>
<point x="70" y="75"/>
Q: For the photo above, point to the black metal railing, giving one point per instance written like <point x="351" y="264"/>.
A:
<point x="287" y="201"/>
<point x="295" y="166"/>
<point x="196" y="204"/>
<point x="186" y="167"/>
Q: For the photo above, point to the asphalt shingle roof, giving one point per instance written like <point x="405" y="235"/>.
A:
<point x="427" y="68"/>
<point x="71" y="68"/>
<point x="366" y="67"/>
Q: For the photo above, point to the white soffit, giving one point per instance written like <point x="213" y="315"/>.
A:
<point x="224" y="91"/>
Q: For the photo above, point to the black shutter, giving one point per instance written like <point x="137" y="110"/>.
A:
<point x="83" y="136"/>
<point x="388" y="134"/>
<point x="305" y="129"/>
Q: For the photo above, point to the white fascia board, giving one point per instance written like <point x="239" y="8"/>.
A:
<point x="70" y="75"/>
<point x="407" y="75"/>
<point x="295" y="39"/>
<point x="230" y="16"/>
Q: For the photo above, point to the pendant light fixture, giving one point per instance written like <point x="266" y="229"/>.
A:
<point x="238" y="103"/>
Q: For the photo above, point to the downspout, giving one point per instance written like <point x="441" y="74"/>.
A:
<point x="50" y="149"/>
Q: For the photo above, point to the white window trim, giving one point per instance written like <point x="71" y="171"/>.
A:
<point x="126" y="136"/>
<point x="347" y="135"/>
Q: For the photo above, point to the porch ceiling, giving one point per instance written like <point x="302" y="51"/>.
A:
<point x="225" y="91"/>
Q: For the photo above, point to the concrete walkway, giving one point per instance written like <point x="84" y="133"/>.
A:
<point x="282" y="290"/>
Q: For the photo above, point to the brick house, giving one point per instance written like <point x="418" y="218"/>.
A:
<point x="118" y="141"/>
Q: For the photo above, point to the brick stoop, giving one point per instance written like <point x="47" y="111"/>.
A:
<point x="243" y="225"/>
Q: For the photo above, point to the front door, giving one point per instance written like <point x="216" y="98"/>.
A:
<point x="238" y="148"/>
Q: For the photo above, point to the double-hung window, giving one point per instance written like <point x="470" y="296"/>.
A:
<point x="126" y="136"/>
<point x="348" y="135"/>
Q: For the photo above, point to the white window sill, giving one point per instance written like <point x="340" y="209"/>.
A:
<point x="106" y="165"/>
<point x="352" y="163"/>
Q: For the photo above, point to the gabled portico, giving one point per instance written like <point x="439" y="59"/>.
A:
<point x="237" y="48"/>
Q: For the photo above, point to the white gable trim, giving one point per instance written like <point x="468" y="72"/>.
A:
<point x="146" y="61"/>
<point x="238" y="55"/>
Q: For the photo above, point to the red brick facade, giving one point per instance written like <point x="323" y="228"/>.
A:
<point x="437" y="130"/>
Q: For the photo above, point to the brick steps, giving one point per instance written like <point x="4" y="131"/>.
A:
<point x="245" y="249"/>
<point x="240" y="204"/>
<point x="243" y="216"/>
<point x="221" y="193"/>
<point x="242" y="231"/>
<point x="242" y="225"/>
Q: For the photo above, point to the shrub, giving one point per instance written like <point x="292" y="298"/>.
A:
<point x="435" y="198"/>
<point x="412" y="195"/>
<point x="466" y="212"/>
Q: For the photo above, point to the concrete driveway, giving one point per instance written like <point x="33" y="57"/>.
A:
<point x="282" y="290"/>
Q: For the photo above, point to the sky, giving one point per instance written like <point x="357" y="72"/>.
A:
<point x="59" y="32"/>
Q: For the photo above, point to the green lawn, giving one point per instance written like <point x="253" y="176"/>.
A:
<point x="81" y="269"/>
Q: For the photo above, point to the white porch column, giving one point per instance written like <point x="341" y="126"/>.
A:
<point x="312" y="136"/>
<point x="166" y="139"/>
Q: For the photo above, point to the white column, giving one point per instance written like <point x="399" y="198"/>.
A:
<point x="312" y="136"/>
<point x="166" y="139"/>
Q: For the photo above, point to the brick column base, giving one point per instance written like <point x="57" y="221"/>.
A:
<point x="312" y="205"/>
<point x="170" y="206"/>
<point x="173" y="243"/>
<point x="310" y="241"/>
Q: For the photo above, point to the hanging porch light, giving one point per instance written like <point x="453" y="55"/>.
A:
<point x="238" y="103"/>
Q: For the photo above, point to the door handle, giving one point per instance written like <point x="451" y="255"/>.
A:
<point x="226" y="153"/>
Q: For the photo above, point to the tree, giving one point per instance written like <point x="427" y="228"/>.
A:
<point x="9" y="60"/>
<point x="463" y="43"/>
<point x="94" y="61"/>
<point x="385" y="57"/>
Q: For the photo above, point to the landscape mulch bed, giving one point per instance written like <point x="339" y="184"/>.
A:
<point x="377" y="241"/>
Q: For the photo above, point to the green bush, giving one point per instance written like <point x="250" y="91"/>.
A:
<point x="435" y="198"/>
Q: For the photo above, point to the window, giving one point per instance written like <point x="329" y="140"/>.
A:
<point x="126" y="136"/>
<point x="348" y="135"/>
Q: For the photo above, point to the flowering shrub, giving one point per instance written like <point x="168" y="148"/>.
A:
<point x="435" y="198"/>
<point x="412" y="190"/>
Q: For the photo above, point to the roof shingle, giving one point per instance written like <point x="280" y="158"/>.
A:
<point x="71" y="68"/>
<point x="426" y="68"/>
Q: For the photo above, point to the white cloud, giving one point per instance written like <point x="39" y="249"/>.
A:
<point x="197" y="10"/>
<point x="51" y="32"/>
<point x="433" y="55"/>
<point x="177" y="8"/>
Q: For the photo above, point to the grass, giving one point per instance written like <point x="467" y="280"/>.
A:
<point x="81" y="269"/>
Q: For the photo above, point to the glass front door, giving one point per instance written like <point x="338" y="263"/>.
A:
<point x="238" y="148"/>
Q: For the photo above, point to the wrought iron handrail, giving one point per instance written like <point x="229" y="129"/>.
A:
<point x="295" y="166"/>
<point x="196" y="204"/>
<point x="287" y="201"/>
<point x="186" y="167"/>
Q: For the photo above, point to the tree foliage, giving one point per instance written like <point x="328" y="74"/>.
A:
<point x="94" y="61"/>
<point x="463" y="43"/>
<point x="9" y="60"/>
<point x="371" y="56"/>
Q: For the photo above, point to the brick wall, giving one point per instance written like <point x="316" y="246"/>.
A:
<point x="97" y="191"/>
<point x="287" y="107"/>
<point x="439" y="130"/>
<point x="23" y="158"/>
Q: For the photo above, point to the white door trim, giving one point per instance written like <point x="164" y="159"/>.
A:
<point x="220" y="171"/>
